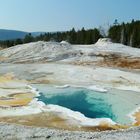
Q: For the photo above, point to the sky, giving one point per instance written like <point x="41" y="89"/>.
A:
<point x="62" y="15"/>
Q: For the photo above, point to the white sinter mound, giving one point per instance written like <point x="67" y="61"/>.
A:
<point x="53" y="51"/>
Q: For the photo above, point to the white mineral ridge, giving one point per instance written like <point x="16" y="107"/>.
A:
<point x="92" y="87"/>
<point x="77" y="116"/>
<point x="105" y="45"/>
<point x="54" y="51"/>
<point x="97" y="88"/>
<point x="36" y="51"/>
<point x="63" y="86"/>
<point x="65" y="42"/>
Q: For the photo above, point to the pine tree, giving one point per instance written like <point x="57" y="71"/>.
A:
<point x="28" y="38"/>
<point x="72" y="36"/>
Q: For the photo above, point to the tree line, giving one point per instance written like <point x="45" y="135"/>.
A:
<point x="125" y="33"/>
<point x="74" y="37"/>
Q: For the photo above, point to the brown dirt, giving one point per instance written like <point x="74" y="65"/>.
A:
<point x="113" y="60"/>
<point x="130" y="63"/>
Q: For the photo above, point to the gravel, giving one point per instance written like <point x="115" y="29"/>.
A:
<point x="18" y="132"/>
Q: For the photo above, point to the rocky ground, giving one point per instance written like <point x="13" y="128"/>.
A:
<point x="17" y="132"/>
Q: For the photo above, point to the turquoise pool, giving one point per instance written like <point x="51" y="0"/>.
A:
<point x="114" y="104"/>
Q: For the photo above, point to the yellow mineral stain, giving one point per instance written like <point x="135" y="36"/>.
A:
<point x="2" y="58"/>
<point x="12" y="100"/>
<point x="18" y="99"/>
<point x="137" y="118"/>
<point x="52" y="120"/>
<point x="6" y="78"/>
<point x="9" y="77"/>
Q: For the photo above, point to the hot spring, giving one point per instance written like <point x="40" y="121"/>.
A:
<point x="114" y="104"/>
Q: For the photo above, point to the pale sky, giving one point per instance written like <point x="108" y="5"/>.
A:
<point x="61" y="15"/>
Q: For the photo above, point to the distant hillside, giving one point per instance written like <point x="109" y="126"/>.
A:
<point x="37" y="33"/>
<point x="13" y="34"/>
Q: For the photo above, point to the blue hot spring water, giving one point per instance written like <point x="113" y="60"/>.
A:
<point x="78" y="100"/>
<point x="115" y="104"/>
